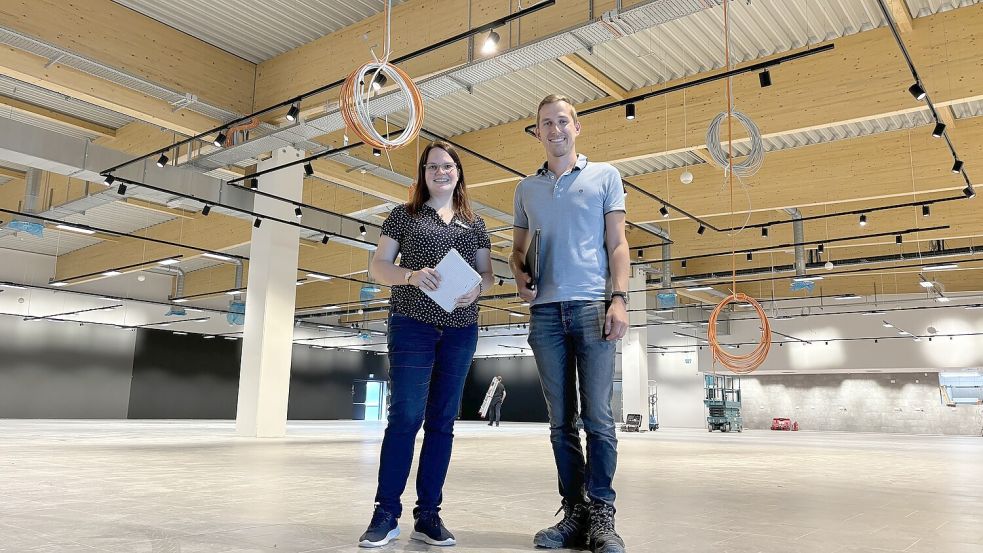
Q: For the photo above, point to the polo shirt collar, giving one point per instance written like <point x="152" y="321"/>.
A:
<point x="581" y="163"/>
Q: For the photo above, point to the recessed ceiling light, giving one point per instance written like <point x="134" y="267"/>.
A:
<point x="942" y="267"/>
<point x="217" y="256"/>
<point x="699" y="289"/>
<point x="111" y="273"/>
<point x="168" y="261"/>
<point x="75" y="229"/>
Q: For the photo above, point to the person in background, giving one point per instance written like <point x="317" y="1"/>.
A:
<point x="495" y="409"/>
<point x="430" y="350"/>
<point x="579" y="208"/>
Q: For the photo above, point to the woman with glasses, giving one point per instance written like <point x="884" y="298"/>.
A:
<point x="430" y="350"/>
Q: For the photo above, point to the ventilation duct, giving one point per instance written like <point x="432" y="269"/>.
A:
<point x="175" y="310"/>
<point x="32" y="199"/>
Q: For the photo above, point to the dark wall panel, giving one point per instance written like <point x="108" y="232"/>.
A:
<point x="321" y="381"/>
<point x="184" y="377"/>
<point x="525" y="401"/>
<point x="63" y="370"/>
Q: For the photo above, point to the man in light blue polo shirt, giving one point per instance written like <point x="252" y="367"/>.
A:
<point x="579" y="208"/>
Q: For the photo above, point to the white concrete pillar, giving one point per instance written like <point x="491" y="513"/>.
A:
<point x="271" y="293"/>
<point x="634" y="352"/>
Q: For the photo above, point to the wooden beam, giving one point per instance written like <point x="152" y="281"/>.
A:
<point x="594" y="76"/>
<point x="12" y="173"/>
<point x="109" y="33"/>
<point x="900" y="14"/>
<point x="947" y="116"/>
<point x="56" y="117"/>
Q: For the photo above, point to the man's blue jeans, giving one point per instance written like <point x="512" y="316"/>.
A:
<point x="567" y="339"/>
<point x="427" y="369"/>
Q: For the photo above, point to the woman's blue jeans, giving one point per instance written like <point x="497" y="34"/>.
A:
<point x="567" y="339"/>
<point x="427" y="369"/>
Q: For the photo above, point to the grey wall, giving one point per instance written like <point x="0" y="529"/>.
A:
<point x="524" y="401"/>
<point x="63" y="370"/>
<point x="883" y="402"/>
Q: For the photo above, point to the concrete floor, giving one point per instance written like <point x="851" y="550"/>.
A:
<point x="175" y="486"/>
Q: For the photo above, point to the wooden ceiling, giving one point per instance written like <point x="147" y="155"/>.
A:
<point x="863" y="78"/>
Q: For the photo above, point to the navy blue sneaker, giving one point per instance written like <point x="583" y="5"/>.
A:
<point x="430" y="529"/>
<point x="383" y="529"/>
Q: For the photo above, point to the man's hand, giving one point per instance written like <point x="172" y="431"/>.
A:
<point x="426" y="279"/>
<point x="616" y="321"/>
<point x="522" y="281"/>
<point x="469" y="298"/>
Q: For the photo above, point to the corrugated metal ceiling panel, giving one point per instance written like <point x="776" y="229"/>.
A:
<point x="46" y="124"/>
<point x="63" y="104"/>
<point x="53" y="242"/>
<point x="505" y="99"/>
<point x="258" y="30"/>
<point x="760" y="28"/>
<point x="120" y="216"/>
<point x="922" y="8"/>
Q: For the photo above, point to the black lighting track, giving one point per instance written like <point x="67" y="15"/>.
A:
<point x="697" y="82"/>
<point x="326" y="153"/>
<point x="724" y="279"/>
<point x="918" y="81"/>
<point x="416" y="53"/>
<point x="168" y="243"/>
<point x="67" y="313"/>
<point x="68" y="280"/>
<point x="785" y="245"/>
<point x="919" y="203"/>
<point x="255" y="214"/>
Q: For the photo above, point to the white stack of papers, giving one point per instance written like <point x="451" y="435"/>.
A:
<point x="456" y="279"/>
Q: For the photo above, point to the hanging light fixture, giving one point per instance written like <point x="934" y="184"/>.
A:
<point x="162" y="161"/>
<point x="491" y="43"/>
<point x="630" y="112"/>
<point x="294" y="112"/>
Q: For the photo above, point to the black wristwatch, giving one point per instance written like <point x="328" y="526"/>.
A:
<point x="622" y="295"/>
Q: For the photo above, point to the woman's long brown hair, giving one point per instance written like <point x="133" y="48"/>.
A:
<point x="419" y="194"/>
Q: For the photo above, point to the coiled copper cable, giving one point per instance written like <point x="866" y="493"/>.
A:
<point x="739" y="364"/>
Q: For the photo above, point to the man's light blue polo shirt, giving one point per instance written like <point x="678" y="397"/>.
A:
<point x="569" y="209"/>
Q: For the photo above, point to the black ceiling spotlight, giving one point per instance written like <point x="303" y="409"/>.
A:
<point x="917" y="91"/>
<point x="325" y="238"/>
<point x="898" y="239"/>
<point x="378" y="81"/>
<point x="957" y="165"/>
<point x="863" y="219"/>
<point x="491" y="43"/>
<point x="683" y="264"/>
<point x="629" y="111"/>
<point x="640" y="253"/>
<point x="820" y="248"/>
<point x="764" y="232"/>
<point x="294" y="112"/>
<point x="298" y="212"/>
<point x="219" y="140"/>
<point x="108" y="179"/>
<point x="938" y="130"/>
<point x="257" y="222"/>
<point x="701" y="230"/>
<point x="122" y="189"/>
<point x="969" y="191"/>
<point x="664" y="211"/>
<point x="376" y="152"/>
<point x="254" y="183"/>
<point x="764" y="78"/>
<point x="162" y="161"/>
<point x="361" y="230"/>
<point x="501" y="282"/>
<point x="308" y="169"/>
<point x="749" y="256"/>
<point x="206" y="210"/>
<point x="926" y="210"/>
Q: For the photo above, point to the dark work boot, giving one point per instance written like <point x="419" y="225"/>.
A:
<point x="602" y="537"/>
<point x="571" y="531"/>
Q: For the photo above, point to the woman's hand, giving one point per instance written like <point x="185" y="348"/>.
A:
<point x="469" y="298"/>
<point x="426" y="278"/>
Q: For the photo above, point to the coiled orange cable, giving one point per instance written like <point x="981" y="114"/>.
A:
<point x="739" y="364"/>
<point x="353" y="102"/>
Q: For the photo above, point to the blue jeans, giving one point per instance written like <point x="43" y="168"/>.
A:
<point x="427" y="369"/>
<point x="567" y="339"/>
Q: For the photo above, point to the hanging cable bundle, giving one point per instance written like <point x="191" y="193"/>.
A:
<point x="357" y="90"/>
<point x="755" y="157"/>
<point x="740" y="364"/>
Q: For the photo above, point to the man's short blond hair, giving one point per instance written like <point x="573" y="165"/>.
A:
<point x="553" y="99"/>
